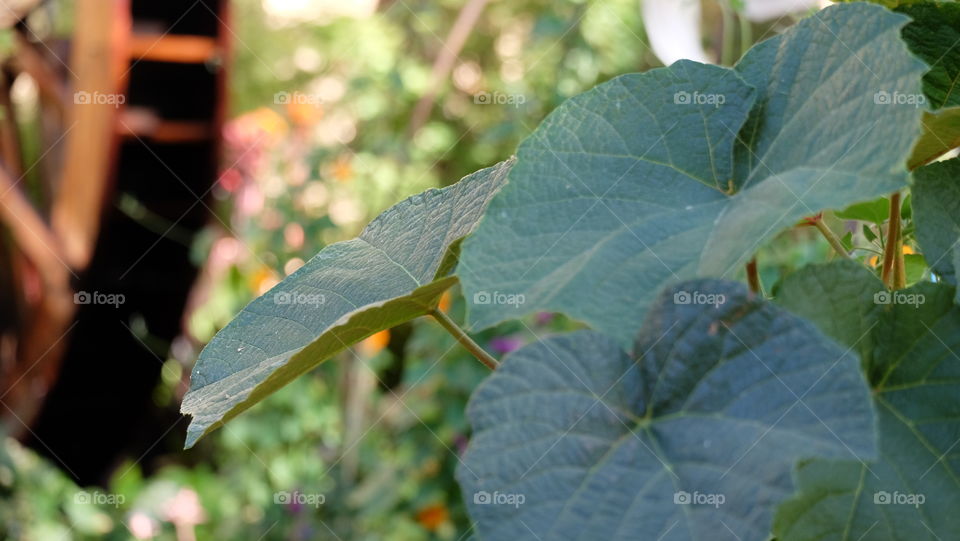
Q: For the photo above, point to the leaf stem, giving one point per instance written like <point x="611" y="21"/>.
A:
<point x="462" y="337"/>
<point x="831" y="238"/>
<point x="753" y="277"/>
<point x="893" y="241"/>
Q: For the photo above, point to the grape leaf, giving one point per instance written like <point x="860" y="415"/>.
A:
<point x="396" y="270"/>
<point x="638" y="183"/>
<point x="936" y="208"/>
<point x="838" y="298"/>
<point x="574" y="439"/>
<point x="910" y="492"/>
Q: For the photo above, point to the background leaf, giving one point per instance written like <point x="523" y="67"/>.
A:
<point x="628" y="187"/>
<point x="838" y="298"/>
<point x="933" y="35"/>
<point x="913" y="367"/>
<point x="936" y="204"/>
<point x="722" y="402"/>
<point x="394" y="271"/>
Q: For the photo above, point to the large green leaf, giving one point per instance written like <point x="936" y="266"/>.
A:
<point x="636" y="183"/>
<point x="936" y="209"/>
<point x="911" y="492"/>
<point x="394" y="271"/>
<point x="724" y="399"/>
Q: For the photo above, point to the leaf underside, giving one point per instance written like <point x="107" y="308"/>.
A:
<point x="396" y="270"/>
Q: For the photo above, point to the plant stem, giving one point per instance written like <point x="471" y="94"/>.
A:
<point x="899" y="267"/>
<point x="893" y="241"/>
<point x="753" y="277"/>
<point x="465" y="341"/>
<point x="746" y="34"/>
<point x="831" y="238"/>
<point x="726" y="37"/>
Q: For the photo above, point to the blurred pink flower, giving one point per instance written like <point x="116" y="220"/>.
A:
<point x="185" y="508"/>
<point x="142" y="526"/>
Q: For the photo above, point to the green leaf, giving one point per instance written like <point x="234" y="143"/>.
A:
<point x="394" y="271"/>
<point x="724" y="399"/>
<point x="916" y="267"/>
<point x="936" y="209"/>
<point x="910" y="493"/>
<point x="941" y="133"/>
<point x="876" y="211"/>
<point x="838" y="298"/>
<point x="933" y="35"/>
<point x="627" y="187"/>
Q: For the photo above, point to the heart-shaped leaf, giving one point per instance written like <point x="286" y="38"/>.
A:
<point x="936" y="210"/>
<point x="636" y="183"/>
<point x="576" y="440"/>
<point x="394" y="271"/>
<point x="911" y="492"/>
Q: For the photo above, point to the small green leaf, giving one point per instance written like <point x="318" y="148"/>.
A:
<point x="913" y="336"/>
<point x="876" y="211"/>
<point x="936" y="207"/>
<point x="916" y="267"/>
<point x="394" y="271"/>
<point x="575" y="440"/>
<point x="636" y="183"/>
<point x="868" y="233"/>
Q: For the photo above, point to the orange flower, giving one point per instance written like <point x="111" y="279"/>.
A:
<point x="304" y="114"/>
<point x="342" y="169"/>
<point x="433" y="516"/>
<point x="375" y="343"/>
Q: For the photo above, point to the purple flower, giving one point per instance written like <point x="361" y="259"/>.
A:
<point x="506" y="344"/>
<point x="543" y="318"/>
